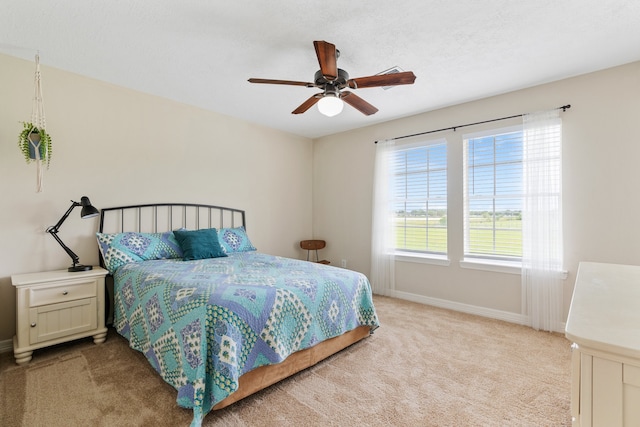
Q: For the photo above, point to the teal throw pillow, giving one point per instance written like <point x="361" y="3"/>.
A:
<point x="199" y="244"/>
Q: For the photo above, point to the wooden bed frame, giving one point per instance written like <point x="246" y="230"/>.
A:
<point x="161" y="217"/>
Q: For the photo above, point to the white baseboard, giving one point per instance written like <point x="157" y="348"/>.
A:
<point x="467" y="308"/>
<point x="6" y="346"/>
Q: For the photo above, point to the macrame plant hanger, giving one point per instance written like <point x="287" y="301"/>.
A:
<point x="39" y="121"/>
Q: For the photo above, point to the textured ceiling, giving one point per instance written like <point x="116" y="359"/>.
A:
<point x="202" y="52"/>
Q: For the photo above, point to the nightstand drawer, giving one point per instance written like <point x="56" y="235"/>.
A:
<point x="61" y="293"/>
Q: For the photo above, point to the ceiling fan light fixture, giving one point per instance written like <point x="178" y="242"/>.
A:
<point x="330" y="105"/>
<point x="333" y="80"/>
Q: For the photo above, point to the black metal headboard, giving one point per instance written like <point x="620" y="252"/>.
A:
<point x="160" y="217"/>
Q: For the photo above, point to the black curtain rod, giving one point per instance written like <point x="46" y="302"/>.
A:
<point x="563" y="108"/>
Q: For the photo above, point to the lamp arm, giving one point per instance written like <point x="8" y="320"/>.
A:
<point x="69" y="252"/>
<point x="53" y="230"/>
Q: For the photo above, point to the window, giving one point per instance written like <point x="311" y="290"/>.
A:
<point x="419" y="180"/>
<point x="493" y="195"/>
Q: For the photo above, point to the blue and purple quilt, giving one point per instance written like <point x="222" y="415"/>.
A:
<point x="204" y="323"/>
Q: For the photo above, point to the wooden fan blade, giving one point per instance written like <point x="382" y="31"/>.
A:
<point x="396" y="79"/>
<point x="281" y="82"/>
<point x="358" y="103"/>
<point x="307" y="104"/>
<point x="327" y="58"/>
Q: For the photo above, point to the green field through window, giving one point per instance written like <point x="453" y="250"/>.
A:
<point x="413" y="234"/>
<point x="503" y="240"/>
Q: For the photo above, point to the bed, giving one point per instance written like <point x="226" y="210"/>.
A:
<point x="216" y="318"/>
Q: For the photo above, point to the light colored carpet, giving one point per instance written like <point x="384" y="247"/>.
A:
<point x="424" y="366"/>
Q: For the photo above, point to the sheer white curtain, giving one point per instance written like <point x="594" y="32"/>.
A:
<point x="542" y="261"/>
<point x="382" y="235"/>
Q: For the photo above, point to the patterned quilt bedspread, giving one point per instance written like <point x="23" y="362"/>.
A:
<point x="202" y="324"/>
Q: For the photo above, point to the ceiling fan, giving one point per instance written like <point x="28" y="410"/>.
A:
<point x="332" y="80"/>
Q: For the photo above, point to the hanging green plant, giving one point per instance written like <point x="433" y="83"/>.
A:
<point x="31" y="139"/>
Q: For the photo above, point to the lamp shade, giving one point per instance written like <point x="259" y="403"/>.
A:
<point x="330" y="105"/>
<point x="88" y="210"/>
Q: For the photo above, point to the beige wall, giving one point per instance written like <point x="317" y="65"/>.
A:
<point x="601" y="185"/>
<point x="216" y="159"/>
<point x="119" y="147"/>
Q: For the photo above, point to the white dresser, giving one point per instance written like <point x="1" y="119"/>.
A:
<point x="57" y="306"/>
<point x="604" y="325"/>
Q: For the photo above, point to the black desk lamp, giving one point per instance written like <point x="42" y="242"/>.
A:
<point x="88" y="211"/>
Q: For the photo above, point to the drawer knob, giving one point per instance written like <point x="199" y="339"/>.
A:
<point x="33" y="325"/>
<point x="65" y="293"/>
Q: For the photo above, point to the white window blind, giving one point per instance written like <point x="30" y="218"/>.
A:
<point x="420" y="197"/>
<point x="493" y="195"/>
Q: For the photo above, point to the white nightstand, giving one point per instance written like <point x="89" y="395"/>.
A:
<point x="57" y="306"/>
